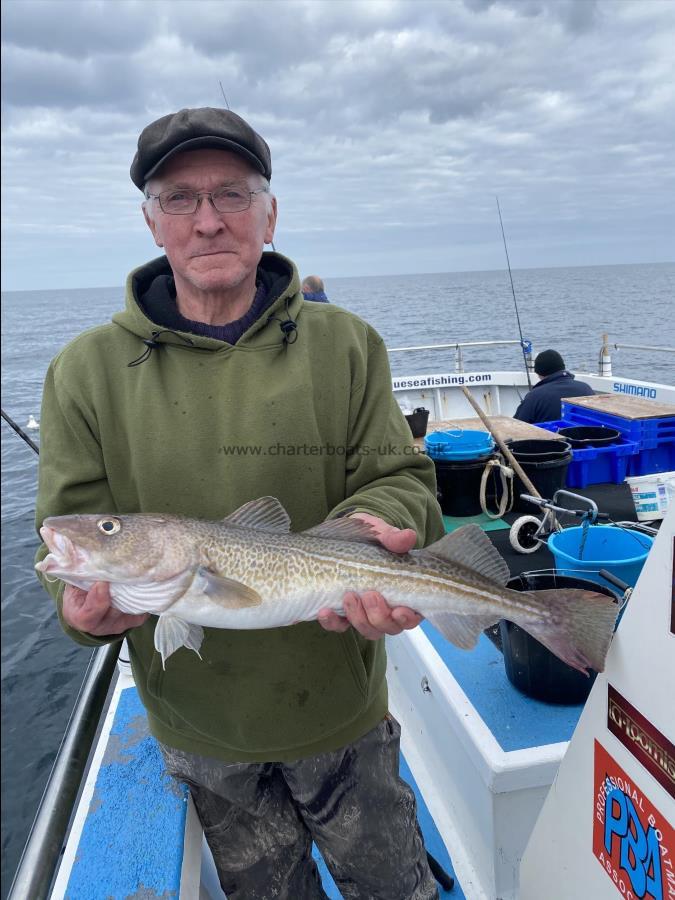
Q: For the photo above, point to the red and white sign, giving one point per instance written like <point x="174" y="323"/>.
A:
<point x="632" y="840"/>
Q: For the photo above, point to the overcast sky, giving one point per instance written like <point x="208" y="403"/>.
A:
<point x="392" y="125"/>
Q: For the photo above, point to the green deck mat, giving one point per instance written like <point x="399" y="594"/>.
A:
<point x="485" y="522"/>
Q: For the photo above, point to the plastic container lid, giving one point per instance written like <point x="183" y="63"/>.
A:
<point x="459" y="444"/>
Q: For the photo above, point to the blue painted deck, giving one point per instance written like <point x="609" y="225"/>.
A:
<point x="132" y="841"/>
<point x="131" y="847"/>
<point x="517" y="722"/>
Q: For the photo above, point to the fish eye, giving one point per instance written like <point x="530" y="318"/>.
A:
<point x="109" y="526"/>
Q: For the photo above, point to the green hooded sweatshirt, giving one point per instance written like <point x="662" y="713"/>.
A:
<point x="199" y="428"/>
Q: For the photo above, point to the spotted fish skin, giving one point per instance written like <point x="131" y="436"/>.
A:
<point x="251" y="571"/>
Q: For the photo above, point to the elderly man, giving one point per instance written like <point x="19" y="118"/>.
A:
<point x="207" y="391"/>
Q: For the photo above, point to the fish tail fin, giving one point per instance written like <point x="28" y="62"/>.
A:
<point x="577" y="627"/>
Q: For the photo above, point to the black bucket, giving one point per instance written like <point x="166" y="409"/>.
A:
<point x="530" y="666"/>
<point x="545" y="463"/>
<point x="581" y="436"/>
<point x="458" y="485"/>
<point x="538" y="451"/>
<point x="417" y="420"/>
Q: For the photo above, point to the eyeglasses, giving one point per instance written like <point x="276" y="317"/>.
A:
<point x="226" y="199"/>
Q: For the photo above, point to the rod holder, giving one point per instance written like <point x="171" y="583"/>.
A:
<point x="605" y="364"/>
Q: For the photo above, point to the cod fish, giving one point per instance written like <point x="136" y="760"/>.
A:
<point x="250" y="571"/>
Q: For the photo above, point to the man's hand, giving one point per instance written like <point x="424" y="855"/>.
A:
<point x="93" y="612"/>
<point x="369" y="612"/>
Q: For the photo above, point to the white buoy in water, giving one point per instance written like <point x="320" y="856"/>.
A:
<point x="32" y="422"/>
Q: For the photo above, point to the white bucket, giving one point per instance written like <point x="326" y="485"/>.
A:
<point x="652" y="494"/>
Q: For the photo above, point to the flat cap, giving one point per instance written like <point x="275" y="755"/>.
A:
<point x="197" y="129"/>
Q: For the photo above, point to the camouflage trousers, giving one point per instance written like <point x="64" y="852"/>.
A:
<point x="260" y="820"/>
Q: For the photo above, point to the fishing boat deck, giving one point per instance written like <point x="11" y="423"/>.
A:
<point x="136" y="832"/>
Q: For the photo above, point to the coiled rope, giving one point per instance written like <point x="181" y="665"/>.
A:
<point x="506" y="476"/>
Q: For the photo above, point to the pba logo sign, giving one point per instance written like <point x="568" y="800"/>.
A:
<point x="632" y="840"/>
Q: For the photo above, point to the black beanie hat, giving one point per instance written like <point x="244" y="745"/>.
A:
<point x="548" y="362"/>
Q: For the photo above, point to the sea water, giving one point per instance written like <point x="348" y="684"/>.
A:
<point x="568" y="309"/>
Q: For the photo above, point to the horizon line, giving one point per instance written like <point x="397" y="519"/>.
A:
<point x="106" y="287"/>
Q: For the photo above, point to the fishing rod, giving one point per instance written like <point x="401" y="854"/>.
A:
<point x="222" y="91"/>
<point x="513" y="291"/>
<point x="20" y="431"/>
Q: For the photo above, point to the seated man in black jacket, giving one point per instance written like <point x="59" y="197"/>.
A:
<point x="542" y="403"/>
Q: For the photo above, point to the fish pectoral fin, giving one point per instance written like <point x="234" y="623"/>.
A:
<point x="462" y="631"/>
<point x="469" y="546"/>
<point x="344" y="529"/>
<point x="222" y="590"/>
<point x="265" y="514"/>
<point x="172" y="633"/>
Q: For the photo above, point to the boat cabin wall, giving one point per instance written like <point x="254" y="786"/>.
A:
<point x="498" y="393"/>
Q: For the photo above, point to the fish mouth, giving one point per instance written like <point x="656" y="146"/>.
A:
<point x="63" y="557"/>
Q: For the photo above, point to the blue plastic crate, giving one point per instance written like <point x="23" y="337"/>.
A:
<point x="655" y="459"/>
<point x="648" y="433"/>
<point x="600" y="465"/>
<point x="554" y="426"/>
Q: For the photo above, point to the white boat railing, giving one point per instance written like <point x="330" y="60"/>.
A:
<point x="604" y="358"/>
<point x="458" y="345"/>
<point x="643" y="347"/>
<point x="44" y="847"/>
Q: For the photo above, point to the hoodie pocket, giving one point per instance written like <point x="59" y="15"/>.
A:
<point x="259" y="691"/>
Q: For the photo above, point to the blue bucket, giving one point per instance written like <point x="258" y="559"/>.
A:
<point x="459" y="445"/>
<point x="621" y="551"/>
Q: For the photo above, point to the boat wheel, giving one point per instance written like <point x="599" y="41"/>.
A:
<point x="522" y="535"/>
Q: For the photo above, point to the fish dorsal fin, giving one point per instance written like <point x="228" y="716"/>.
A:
<point x="265" y="514"/>
<point x="344" y="529"/>
<point x="469" y="546"/>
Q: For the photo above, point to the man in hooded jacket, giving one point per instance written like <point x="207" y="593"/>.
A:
<point x="209" y="390"/>
<point x="542" y="403"/>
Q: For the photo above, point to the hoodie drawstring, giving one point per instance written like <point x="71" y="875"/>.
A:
<point x="288" y="326"/>
<point x="152" y="343"/>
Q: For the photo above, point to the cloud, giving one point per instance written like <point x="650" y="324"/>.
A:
<point x="385" y="118"/>
<point x="77" y="29"/>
